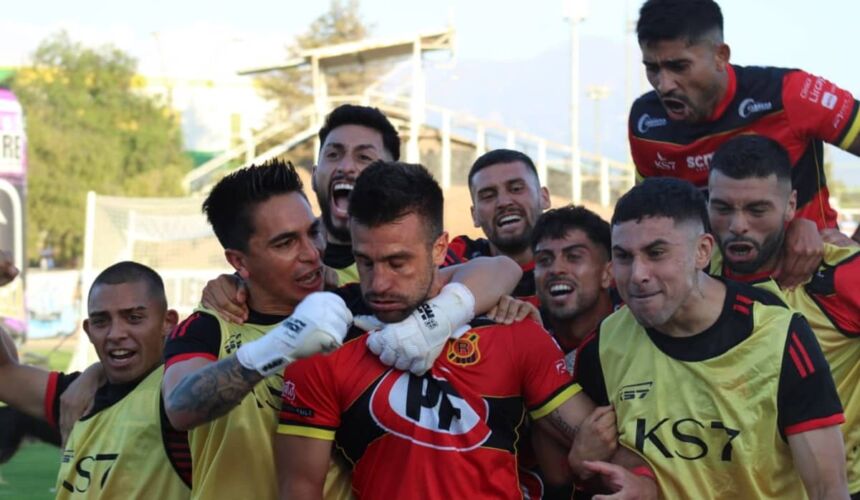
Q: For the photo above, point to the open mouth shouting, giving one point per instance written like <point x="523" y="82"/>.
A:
<point x="677" y="109"/>
<point x="120" y="357"/>
<point x="339" y="195"/>
<point x="311" y="281"/>
<point x="741" y="251"/>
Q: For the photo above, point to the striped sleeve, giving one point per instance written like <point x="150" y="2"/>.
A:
<point x="807" y="397"/>
<point x="546" y="384"/>
<point x="309" y="403"/>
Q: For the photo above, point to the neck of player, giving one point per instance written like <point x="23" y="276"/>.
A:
<point x="573" y="331"/>
<point x="699" y="311"/>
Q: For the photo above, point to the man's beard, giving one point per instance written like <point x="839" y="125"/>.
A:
<point x="764" y="252"/>
<point x="513" y="245"/>
<point x="337" y="233"/>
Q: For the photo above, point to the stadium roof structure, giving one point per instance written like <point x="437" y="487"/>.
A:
<point x="363" y="51"/>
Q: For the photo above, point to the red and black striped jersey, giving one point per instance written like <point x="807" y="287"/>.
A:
<point x="795" y="108"/>
<point x="463" y="248"/>
<point x="450" y="433"/>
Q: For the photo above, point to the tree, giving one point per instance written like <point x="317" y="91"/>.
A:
<point x="89" y="127"/>
<point x="292" y="88"/>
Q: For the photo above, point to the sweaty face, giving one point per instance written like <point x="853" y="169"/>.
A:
<point x="655" y="264"/>
<point x="570" y="274"/>
<point x="748" y="218"/>
<point x="283" y="262"/>
<point x="507" y="200"/>
<point x="347" y="150"/>
<point x="687" y="78"/>
<point x="396" y="265"/>
<point x="127" y="328"/>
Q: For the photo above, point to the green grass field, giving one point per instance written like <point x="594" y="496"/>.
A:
<point x="31" y="473"/>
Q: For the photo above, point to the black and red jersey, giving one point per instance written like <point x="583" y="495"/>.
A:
<point x="463" y="248"/>
<point x="795" y="108"/>
<point x="450" y="433"/>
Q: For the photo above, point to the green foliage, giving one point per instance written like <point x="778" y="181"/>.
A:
<point x="90" y="127"/>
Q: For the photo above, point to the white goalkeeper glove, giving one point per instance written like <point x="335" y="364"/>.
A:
<point x="414" y="343"/>
<point x="318" y="324"/>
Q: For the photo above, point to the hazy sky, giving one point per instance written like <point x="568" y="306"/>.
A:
<point x="213" y="36"/>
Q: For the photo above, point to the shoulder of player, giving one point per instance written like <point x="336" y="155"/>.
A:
<point x="485" y="326"/>
<point x="744" y="295"/>
<point x="201" y="321"/>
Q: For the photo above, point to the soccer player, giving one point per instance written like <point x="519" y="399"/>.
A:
<point x="700" y="100"/>
<point x="450" y="433"/>
<point x="573" y="277"/>
<point x="507" y="199"/>
<point x="751" y="201"/>
<point x="351" y="138"/>
<point x="573" y="274"/>
<point x="124" y="446"/>
<point x="690" y="367"/>
<point x="222" y="380"/>
<point x="214" y="368"/>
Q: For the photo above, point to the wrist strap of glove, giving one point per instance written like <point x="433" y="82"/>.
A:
<point x="458" y="304"/>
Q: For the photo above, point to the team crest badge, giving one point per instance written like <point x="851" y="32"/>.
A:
<point x="464" y="351"/>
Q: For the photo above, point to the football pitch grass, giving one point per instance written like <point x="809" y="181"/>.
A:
<point x="31" y="474"/>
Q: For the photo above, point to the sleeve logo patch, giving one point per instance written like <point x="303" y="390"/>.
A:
<point x="829" y="100"/>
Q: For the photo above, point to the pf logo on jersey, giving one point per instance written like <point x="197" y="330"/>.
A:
<point x="429" y="411"/>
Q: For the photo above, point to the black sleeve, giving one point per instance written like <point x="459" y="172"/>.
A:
<point x="58" y="382"/>
<point x="807" y="397"/>
<point x="198" y="336"/>
<point x="587" y="371"/>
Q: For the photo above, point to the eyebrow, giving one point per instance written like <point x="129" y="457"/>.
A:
<point x="292" y="234"/>
<point x="339" y="145"/>
<point x="122" y="311"/>
<point x="396" y="255"/>
<point x="649" y="246"/>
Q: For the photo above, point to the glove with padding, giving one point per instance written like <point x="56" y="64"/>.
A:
<point x="318" y="324"/>
<point x="414" y="343"/>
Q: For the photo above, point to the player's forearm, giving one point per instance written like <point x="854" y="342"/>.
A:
<point x="488" y="278"/>
<point x="209" y="393"/>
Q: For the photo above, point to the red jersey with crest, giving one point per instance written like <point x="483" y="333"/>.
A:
<point x="792" y="107"/>
<point x="450" y="433"/>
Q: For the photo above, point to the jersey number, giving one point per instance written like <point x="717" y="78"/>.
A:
<point x="85" y="468"/>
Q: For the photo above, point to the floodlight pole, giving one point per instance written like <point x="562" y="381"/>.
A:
<point x="575" y="14"/>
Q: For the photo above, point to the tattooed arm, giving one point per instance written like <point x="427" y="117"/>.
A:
<point x="198" y="390"/>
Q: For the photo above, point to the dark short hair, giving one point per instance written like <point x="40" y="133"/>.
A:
<point x="752" y="156"/>
<point x="366" y="116"/>
<point x="132" y="272"/>
<point x="387" y="191"/>
<point x="230" y="205"/>
<point x="690" y="20"/>
<point x="497" y="156"/>
<point x="668" y="197"/>
<point x="556" y="222"/>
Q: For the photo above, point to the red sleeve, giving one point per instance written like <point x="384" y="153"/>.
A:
<point x="456" y="253"/>
<point x="309" y="403"/>
<point x="199" y="336"/>
<point x="842" y="307"/>
<point x="545" y="381"/>
<point x="57" y="383"/>
<point x="807" y="397"/>
<point x="817" y="108"/>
